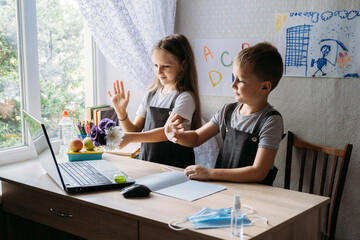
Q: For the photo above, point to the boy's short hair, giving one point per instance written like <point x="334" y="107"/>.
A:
<point x="265" y="61"/>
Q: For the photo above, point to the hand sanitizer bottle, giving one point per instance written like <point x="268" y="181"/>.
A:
<point x="237" y="218"/>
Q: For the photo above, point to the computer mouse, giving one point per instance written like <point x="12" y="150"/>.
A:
<point x="135" y="190"/>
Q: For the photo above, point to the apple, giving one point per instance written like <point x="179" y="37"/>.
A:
<point x="76" y="145"/>
<point x="88" y="144"/>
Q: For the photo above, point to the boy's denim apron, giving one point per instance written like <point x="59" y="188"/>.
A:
<point x="164" y="152"/>
<point x="239" y="148"/>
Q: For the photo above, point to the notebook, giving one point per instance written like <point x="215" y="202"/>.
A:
<point x="176" y="184"/>
<point x="130" y="150"/>
<point x="73" y="177"/>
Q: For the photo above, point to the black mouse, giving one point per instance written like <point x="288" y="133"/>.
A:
<point x="135" y="190"/>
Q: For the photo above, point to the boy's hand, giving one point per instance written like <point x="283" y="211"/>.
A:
<point x="173" y="128"/>
<point x="197" y="172"/>
<point x="119" y="100"/>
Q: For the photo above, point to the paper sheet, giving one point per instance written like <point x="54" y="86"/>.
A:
<point x="176" y="184"/>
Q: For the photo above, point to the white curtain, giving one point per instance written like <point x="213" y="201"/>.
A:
<point x="126" y="30"/>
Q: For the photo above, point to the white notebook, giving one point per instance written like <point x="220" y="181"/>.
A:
<point x="176" y="184"/>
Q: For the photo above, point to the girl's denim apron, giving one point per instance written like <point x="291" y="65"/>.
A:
<point x="164" y="152"/>
<point x="239" y="148"/>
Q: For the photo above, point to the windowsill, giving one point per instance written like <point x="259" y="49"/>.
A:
<point x="16" y="155"/>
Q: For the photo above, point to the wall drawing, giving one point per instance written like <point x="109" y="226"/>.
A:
<point x="317" y="44"/>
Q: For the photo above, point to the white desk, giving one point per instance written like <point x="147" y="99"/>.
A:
<point x="30" y="193"/>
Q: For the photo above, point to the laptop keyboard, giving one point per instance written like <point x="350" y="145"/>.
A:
<point x="83" y="173"/>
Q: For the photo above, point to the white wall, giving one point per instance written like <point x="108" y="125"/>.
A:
<point x="322" y="110"/>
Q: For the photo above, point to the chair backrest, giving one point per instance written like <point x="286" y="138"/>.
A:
<point x="319" y="180"/>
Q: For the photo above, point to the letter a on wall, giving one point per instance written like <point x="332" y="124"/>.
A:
<point x="214" y="62"/>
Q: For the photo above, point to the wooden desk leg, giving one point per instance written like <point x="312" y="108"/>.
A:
<point x="2" y="224"/>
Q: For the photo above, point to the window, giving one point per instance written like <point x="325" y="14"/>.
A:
<point x="10" y="102"/>
<point x="42" y="66"/>
<point x="61" y="60"/>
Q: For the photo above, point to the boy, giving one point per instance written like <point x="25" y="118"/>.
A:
<point x="251" y="128"/>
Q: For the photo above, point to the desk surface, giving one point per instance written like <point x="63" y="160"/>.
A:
<point x="281" y="207"/>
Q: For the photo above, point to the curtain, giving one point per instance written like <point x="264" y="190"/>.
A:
<point x="126" y="30"/>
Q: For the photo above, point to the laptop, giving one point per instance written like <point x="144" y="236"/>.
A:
<point x="73" y="177"/>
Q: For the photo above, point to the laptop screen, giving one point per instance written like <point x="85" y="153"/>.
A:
<point x="43" y="147"/>
<point x="36" y="133"/>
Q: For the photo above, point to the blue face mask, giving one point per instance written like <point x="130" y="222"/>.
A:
<point x="210" y="218"/>
<point x="215" y="218"/>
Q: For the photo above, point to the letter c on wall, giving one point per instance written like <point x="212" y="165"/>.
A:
<point x="225" y="65"/>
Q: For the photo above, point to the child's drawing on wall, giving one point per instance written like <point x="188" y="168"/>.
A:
<point x="319" y="43"/>
<point x="321" y="62"/>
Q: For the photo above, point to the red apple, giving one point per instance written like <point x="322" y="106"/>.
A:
<point x="76" y="145"/>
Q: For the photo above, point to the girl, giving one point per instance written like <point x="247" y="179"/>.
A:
<point x="173" y="91"/>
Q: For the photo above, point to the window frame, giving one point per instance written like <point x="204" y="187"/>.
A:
<point x="29" y="76"/>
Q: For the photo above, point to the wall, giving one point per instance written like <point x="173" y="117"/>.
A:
<point x="322" y="110"/>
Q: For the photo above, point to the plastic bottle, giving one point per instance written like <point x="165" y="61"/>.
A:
<point x="66" y="132"/>
<point x="237" y="218"/>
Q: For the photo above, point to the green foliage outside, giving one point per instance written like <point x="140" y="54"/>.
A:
<point x="10" y="120"/>
<point x="61" y="60"/>
<point x="61" y="68"/>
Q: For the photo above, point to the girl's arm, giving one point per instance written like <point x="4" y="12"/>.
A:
<point x="256" y="173"/>
<point x="136" y="126"/>
<point x="154" y="135"/>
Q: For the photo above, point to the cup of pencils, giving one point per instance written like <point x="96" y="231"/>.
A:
<point x="83" y="128"/>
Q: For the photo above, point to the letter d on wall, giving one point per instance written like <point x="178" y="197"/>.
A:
<point x="213" y="83"/>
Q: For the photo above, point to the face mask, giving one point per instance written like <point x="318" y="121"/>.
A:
<point x="210" y="218"/>
<point x="214" y="218"/>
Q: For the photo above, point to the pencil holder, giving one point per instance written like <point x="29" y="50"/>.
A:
<point x="80" y="136"/>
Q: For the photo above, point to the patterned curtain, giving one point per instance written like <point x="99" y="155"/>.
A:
<point x="126" y="30"/>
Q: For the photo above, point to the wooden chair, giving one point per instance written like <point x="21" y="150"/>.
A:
<point x="319" y="180"/>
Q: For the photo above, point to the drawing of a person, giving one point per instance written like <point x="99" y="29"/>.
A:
<point x="321" y="62"/>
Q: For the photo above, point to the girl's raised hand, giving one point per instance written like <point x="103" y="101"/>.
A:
<point x="119" y="100"/>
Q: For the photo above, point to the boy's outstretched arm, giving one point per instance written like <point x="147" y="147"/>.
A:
<point x="256" y="173"/>
<point x="176" y="133"/>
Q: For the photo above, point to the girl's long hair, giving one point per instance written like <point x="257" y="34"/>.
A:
<point x="179" y="46"/>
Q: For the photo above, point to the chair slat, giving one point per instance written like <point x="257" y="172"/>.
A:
<point x="302" y="169"/>
<point x="313" y="170"/>
<point x="332" y="179"/>
<point x="323" y="174"/>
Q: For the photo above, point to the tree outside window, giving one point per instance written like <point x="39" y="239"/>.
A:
<point x="61" y="66"/>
